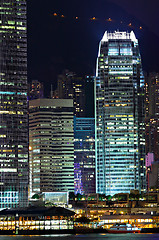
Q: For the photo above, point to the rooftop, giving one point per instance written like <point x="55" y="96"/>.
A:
<point x="37" y="211"/>
<point x="119" y="35"/>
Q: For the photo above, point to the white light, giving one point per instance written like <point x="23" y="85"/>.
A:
<point x="8" y="170"/>
<point x="119" y="35"/>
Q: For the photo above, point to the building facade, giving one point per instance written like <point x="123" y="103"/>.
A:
<point x="70" y="86"/>
<point x="119" y="115"/>
<point x="152" y="114"/>
<point x="37" y="220"/>
<point x="35" y="90"/>
<point x="13" y="102"/>
<point x="89" y="96"/>
<point x="51" y="144"/>
<point x="84" y="166"/>
<point x="154" y="175"/>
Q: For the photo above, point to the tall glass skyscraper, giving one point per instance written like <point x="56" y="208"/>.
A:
<point x="119" y="115"/>
<point x="13" y="105"/>
<point x="84" y="150"/>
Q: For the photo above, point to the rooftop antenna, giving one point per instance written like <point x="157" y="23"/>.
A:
<point x="51" y="91"/>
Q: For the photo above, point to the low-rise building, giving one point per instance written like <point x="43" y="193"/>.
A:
<point x="36" y="219"/>
<point x="141" y="220"/>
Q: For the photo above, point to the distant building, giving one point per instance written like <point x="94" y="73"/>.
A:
<point x="119" y="115"/>
<point x="51" y="140"/>
<point x="149" y="160"/>
<point x="89" y="96"/>
<point x="80" y="89"/>
<point x="57" y="198"/>
<point x="13" y="103"/>
<point x="70" y="86"/>
<point x="35" y="90"/>
<point x="84" y="166"/>
<point x="152" y="114"/>
<point x="154" y="175"/>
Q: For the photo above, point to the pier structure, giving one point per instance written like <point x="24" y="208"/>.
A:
<point x="38" y="219"/>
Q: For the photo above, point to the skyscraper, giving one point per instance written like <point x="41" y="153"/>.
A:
<point x="119" y="115"/>
<point x="152" y="114"/>
<point x="73" y="87"/>
<point x="84" y="165"/>
<point x="13" y="102"/>
<point x="51" y="143"/>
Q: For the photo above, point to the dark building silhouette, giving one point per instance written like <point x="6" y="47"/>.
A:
<point x="80" y="89"/>
<point x="152" y="114"/>
<point x="35" y="90"/>
<point x="154" y="175"/>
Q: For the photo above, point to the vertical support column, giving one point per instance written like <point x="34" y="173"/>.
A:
<point x="59" y="222"/>
<point x="11" y="222"/>
<point x="39" y="222"/>
<point x="7" y="222"/>
<point x="27" y="223"/>
<point x="3" y="223"/>
<point x="72" y="220"/>
<point x="67" y="222"/>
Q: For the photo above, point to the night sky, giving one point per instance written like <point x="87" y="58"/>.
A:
<point x="56" y="43"/>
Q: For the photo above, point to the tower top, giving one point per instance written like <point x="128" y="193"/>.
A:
<point x="119" y="35"/>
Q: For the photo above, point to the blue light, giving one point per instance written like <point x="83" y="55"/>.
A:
<point x="10" y="93"/>
<point x="7" y="93"/>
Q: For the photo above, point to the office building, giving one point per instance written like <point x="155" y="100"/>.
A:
<point x="149" y="160"/>
<point x="89" y="96"/>
<point x="119" y="115"/>
<point x="152" y="114"/>
<point x="35" y="90"/>
<point x="154" y="175"/>
<point x="78" y="88"/>
<point x="70" y="86"/>
<point x="51" y="144"/>
<point x="84" y="166"/>
<point x="13" y="102"/>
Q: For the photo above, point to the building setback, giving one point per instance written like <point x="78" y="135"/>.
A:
<point x="51" y="145"/>
<point x="119" y="115"/>
<point x="13" y="102"/>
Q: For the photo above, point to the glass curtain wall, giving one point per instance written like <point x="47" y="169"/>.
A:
<point x="13" y="104"/>
<point x="119" y="115"/>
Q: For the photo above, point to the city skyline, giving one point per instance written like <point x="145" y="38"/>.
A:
<point x="79" y="118"/>
<point x="55" y="43"/>
<point x="119" y="102"/>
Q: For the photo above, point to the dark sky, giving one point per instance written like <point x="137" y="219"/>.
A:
<point x="56" y="43"/>
<point x="144" y="10"/>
